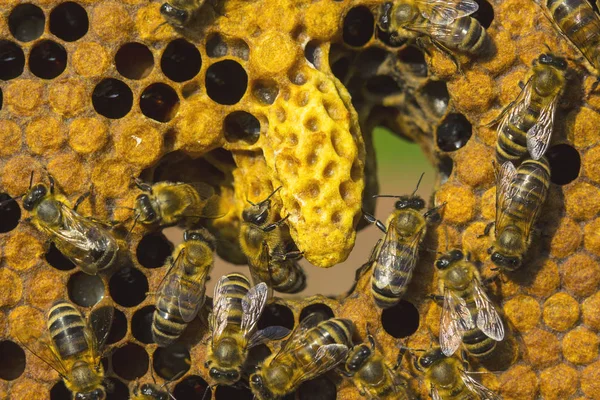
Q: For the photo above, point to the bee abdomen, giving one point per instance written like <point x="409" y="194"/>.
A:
<point x="384" y="296"/>
<point x="66" y="326"/>
<point x="335" y="330"/>
<point x="475" y="38"/>
<point x="531" y="187"/>
<point x="478" y="344"/>
<point x="288" y="277"/>
<point x="167" y="324"/>
<point x="512" y="140"/>
<point x="235" y="288"/>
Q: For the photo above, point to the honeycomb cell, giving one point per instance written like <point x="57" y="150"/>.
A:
<point x="523" y="312"/>
<point x="134" y="60"/>
<point x="192" y="386"/>
<point x="12" y="60"/>
<point x="582" y="123"/>
<point x="472" y="91"/>
<point x="111" y="21"/>
<point x="542" y="348"/>
<point x="473" y="166"/>
<point x="44" y="135"/>
<point x="27" y="389"/>
<point x="580" y="346"/>
<point x="22" y="251"/>
<point x="506" y="54"/>
<point x="69" y="21"/>
<point x="85" y="290"/>
<point x="17" y="172"/>
<point x="519" y="383"/>
<point x="87" y="135"/>
<point x="581" y="274"/>
<point x="265" y="91"/>
<point x="10" y="214"/>
<point x="26" y="323"/>
<point x="13" y="291"/>
<point x="112" y="98"/>
<point x="137" y="142"/>
<point x="69" y="172"/>
<point x="118" y="328"/>
<point x="141" y="324"/>
<point x="276" y="315"/>
<point x="566" y="239"/>
<point x="26" y="22"/>
<point x="591" y="164"/>
<point x="130" y="362"/>
<point x="275" y="53"/>
<point x="216" y="47"/>
<point x="401" y="320"/>
<point x="14" y="360"/>
<point x="24" y="96"/>
<point x="591" y="311"/>
<point x="180" y="61"/>
<point x="153" y="250"/>
<point x="47" y="287"/>
<point x="128" y="287"/>
<point x="59" y="391"/>
<point x="546" y="280"/>
<point x="320" y="388"/>
<point x="325" y="311"/>
<point x="437" y="96"/>
<point x="590" y="381"/>
<point x="241" y="125"/>
<point x="172" y="361"/>
<point x="90" y="59"/>
<point x="67" y="98"/>
<point x="358" y="27"/>
<point x="561" y="312"/>
<point x="230" y="392"/>
<point x="111" y="177"/>
<point x="226" y="82"/>
<point x="454" y="132"/>
<point x="580" y="201"/>
<point x="47" y="59"/>
<point x="460" y="203"/>
<point x="159" y="102"/>
<point x="565" y="163"/>
<point x="559" y="382"/>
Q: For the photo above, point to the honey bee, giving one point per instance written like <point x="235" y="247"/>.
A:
<point x="178" y="13"/>
<point x="149" y="391"/>
<point x="87" y="242"/>
<point x="73" y="347"/>
<point x="448" y="378"/>
<point x="445" y="22"/>
<point x="468" y="315"/>
<point x="271" y="252"/>
<point x="394" y="259"/>
<point x="520" y="194"/>
<point x="371" y="374"/>
<point x="578" y="21"/>
<point x="168" y="203"/>
<point x="181" y="293"/>
<point x="313" y="349"/>
<point x="527" y="123"/>
<point x="236" y="310"/>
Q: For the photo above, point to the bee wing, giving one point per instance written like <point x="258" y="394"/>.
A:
<point x="253" y="304"/>
<point x="43" y="349"/>
<point x="517" y="108"/>
<point x="456" y="318"/>
<point x="191" y="298"/>
<point x="221" y="306"/>
<point x="327" y="357"/>
<point x="505" y="175"/>
<point x="443" y="33"/>
<point x="211" y="207"/>
<point x="263" y="263"/>
<point x="482" y="392"/>
<point x="298" y="336"/>
<point x="487" y="318"/>
<point x="444" y="12"/>
<point x="268" y="334"/>
<point x="539" y="135"/>
<point x="435" y="395"/>
<point x="98" y="326"/>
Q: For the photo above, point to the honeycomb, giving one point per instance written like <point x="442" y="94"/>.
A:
<point x="261" y="94"/>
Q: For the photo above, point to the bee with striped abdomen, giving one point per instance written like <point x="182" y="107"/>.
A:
<point x="237" y="308"/>
<point x="271" y="252"/>
<point x="468" y="315"/>
<point x="313" y="349"/>
<point x="87" y="242"/>
<point x="73" y="347"/>
<point x="448" y="378"/>
<point x="577" y="20"/>
<point x="520" y="194"/>
<point x="445" y="22"/>
<point x="181" y="293"/>
<point x="395" y="257"/>
<point x="527" y="123"/>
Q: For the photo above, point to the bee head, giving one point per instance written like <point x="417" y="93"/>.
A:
<point x="448" y="259"/>
<point x="200" y="235"/>
<point x="174" y="16"/>
<point x="96" y="394"/>
<point x="358" y="358"/>
<point x="257" y="214"/>
<point x="145" y="209"/>
<point x="153" y="392"/>
<point x="414" y="202"/>
<point x="509" y="263"/>
<point x="224" y="376"/>
<point x="34" y="196"/>
<point x="259" y="389"/>
<point x="385" y="15"/>
<point x="428" y="359"/>
<point x="554" y="61"/>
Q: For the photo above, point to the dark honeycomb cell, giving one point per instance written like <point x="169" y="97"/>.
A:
<point x="112" y="98"/>
<point x="265" y="91"/>
<point x="128" y="287"/>
<point x="171" y="361"/>
<point x="1" y="99"/>
<point x="229" y="393"/>
<point x="240" y="125"/>
<point x="226" y="82"/>
<point x="192" y="387"/>
<point x="319" y="388"/>
<point x="181" y="61"/>
<point x="359" y="25"/>
<point x="436" y="93"/>
<point x="134" y="61"/>
<point x="565" y="163"/>
<point x="318" y="308"/>
<point x="118" y="328"/>
<point x="240" y="49"/>
<point x="56" y="259"/>
<point x="401" y="320"/>
<point x="10" y="213"/>
<point x="445" y="167"/>
<point x="382" y="85"/>
<point x="115" y="389"/>
<point x="485" y="14"/>
<point x="454" y="132"/>
<point x="69" y="21"/>
<point x="313" y="53"/>
<point x="26" y="22"/>
<point x="141" y="324"/>
<point x="13" y="360"/>
<point x="256" y="355"/>
<point x="130" y="362"/>
<point x="12" y="60"/>
<point x="340" y="68"/>
<point x="415" y="59"/>
<point x="47" y="59"/>
<point x="216" y="46"/>
<point x="85" y="290"/>
<point x="153" y="250"/>
<point x="389" y="38"/>
<point x="60" y="392"/>
<point x="159" y="102"/>
<point x="276" y="315"/>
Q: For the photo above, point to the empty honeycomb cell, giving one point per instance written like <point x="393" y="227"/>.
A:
<point x="13" y="363"/>
<point x="558" y="382"/>
<point x="241" y="125"/>
<point x="26" y="323"/>
<point x="10" y="214"/>
<point x="580" y="201"/>
<point x="436" y="93"/>
<point x="401" y="320"/>
<point x="171" y="361"/>
<point x="12" y="60"/>
<point x="275" y="52"/>
<point x="21" y="257"/>
<point x="118" y="329"/>
<point x="358" y="27"/>
<point x="561" y="312"/>
<point x="134" y="60"/>
<point x="112" y="98"/>
<point x="474" y="168"/>
<point x="581" y="125"/>
<point x="230" y="392"/>
<point x="192" y="387"/>
<point x="69" y="21"/>
<point x="47" y="286"/>
<point x="44" y="135"/>
<point x="590" y="309"/>
<point x="26" y="22"/>
<point x="319" y="308"/>
<point x="87" y="135"/>
<point x="276" y="315"/>
<point x="141" y="324"/>
<point x="47" y="59"/>
<point x="130" y="361"/>
<point x="226" y="82"/>
<point x="27" y="389"/>
<point x="592" y="236"/>
<point x="90" y="59"/>
<point x="523" y="312"/>
<point x="60" y="392"/>
<point x="473" y="91"/>
<point x="111" y="21"/>
<point x="320" y="388"/>
<point x="24" y="96"/>
<point x="581" y="274"/>
<point x="460" y="203"/>
<point x="542" y="348"/>
<point x="180" y="61"/>
<point x="565" y="163"/>
<point x="580" y="346"/>
<point x="12" y="288"/>
<point x="546" y="280"/>
<point x="118" y="390"/>
<point x="85" y="290"/>
<point x="153" y="250"/>
<point x="159" y="102"/>
<point x="519" y="383"/>
<point x="265" y="91"/>
<point x="566" y="239"/>
<point x="128" y="287"/>
<point x="216" y="46"/>
<point x="67" y="98"/>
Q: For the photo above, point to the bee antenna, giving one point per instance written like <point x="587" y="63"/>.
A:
<point x="248" y="200"/>
<point x="137" y="216"/>
<point x="386" y="195"/>
<point x="418" y="184"/>
<point x="209" y="387"/>
<point x="271" y="195"/>
<point x="31" y="180"/>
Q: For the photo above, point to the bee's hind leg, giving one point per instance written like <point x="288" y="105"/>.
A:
<point x="80" y="199"/>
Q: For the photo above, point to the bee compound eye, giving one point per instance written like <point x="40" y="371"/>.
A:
<point x="442" y="263"/>
<point x="457" y="255"/>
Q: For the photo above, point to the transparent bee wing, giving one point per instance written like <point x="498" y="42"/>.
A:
<point x="435" y="395"/>
<point x="518" y="107"/>
<point x="455" y="320"/>
<point x="539" y="135"/>
<point x="445" y="12"/>
<point x="268" y="334"/>
<point x="481" y="391"/>
<point x="100" y="321"/>
<point x="327" y="357"/>
<point x="43" y="349"/>
<point x="253" y="304"/>
<point x="191" y="298"/>
<point x="221" y="306"/>
<point x="488" y="320"/>
<point x="505" y="176"/>
<point x="298" y="336"/>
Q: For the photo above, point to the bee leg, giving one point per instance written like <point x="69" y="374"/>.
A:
<point x="465" y="360"/>
<point x="448" y="54"/>
<point x="434" y="214"/>
<point x="421" y="43"/>
<point x="142" y="185"/>
<point x="401" y="353"/>
<point x="52" y="182"/>
<point x="81" y="199"/>
<point x="486" y="231"/>
<point x="371" y="219"/>
<point x="274" y="225"/>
